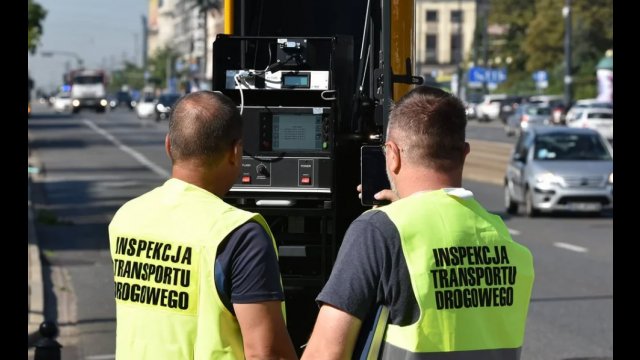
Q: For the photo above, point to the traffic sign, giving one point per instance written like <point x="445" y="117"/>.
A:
<point x="541" y="79"/>
<point x="479" y="74"/>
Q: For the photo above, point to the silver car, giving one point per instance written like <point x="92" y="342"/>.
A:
<point x="527" y="115"/>
<point x="559" y="168"/>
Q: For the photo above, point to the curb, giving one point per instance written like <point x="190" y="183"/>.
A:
<point x="36" y="286"/>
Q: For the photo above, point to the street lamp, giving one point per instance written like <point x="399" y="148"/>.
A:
<point x="50" y="53"/>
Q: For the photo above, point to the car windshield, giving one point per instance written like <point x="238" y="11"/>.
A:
<point x="168" y="100"/>
<point x="123" y="96"/>
<point x="538" y="110"/>
<point x="562" y="146"/>
<point x="88" y="80"/>
<point x="600" y="115"/>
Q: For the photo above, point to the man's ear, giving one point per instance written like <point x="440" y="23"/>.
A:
<point x="167" y="146"/>
<point x="393" y="157"/>
<point x="236" y="152"/>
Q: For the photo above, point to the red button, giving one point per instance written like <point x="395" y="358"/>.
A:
<point x="246" y="179"/>
<point x="305" y="180"/>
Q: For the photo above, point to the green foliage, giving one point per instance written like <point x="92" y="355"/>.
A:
<point x="130" y="75"/>
<point x="158" y="63"/>
<point x="535" y="41"/>
<point x="37" y="14"/>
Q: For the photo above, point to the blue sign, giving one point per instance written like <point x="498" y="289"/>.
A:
<point x="479" y="74"/>
<point x="540" y="76"/>
<point x="496" y="76"/>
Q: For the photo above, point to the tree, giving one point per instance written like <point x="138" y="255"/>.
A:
<point x="37" y="14"/>
<point x="535" y="41"/>
<point x="160" y="64"/>
<point x="131" y="75"/>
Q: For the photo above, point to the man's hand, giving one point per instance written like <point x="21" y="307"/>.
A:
<point x="386" y="194"/>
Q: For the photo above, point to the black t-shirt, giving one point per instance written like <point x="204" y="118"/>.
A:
<point x="370" y="270"/>
<point x="247" y="268"/>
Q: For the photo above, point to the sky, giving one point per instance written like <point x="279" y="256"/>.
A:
<point x="102" y="33"/>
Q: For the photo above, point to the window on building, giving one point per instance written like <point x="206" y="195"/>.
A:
<point x="432" y="49"/>
<point x="456" y="48"/>
<point x="160" y="2"/>
<point x="432" y="16"/>
<point x="456" y="16"/>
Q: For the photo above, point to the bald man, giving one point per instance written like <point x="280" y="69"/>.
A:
<point x="196" y="278"/>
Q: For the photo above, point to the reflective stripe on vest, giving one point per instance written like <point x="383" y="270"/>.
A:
<point x="472" y="282"/>
<point x="395" y="353"/>
<point x="164" y="245"/>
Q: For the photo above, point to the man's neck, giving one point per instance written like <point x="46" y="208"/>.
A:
<point x="199" y="176"/>
<point x="419" y="179"/>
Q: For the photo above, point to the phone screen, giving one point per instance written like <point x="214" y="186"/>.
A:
<point x="373" y="174"/>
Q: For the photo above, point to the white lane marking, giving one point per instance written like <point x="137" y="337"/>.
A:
<point x="575" y="248"/>
<point x="101" y="357"/>
<point x="514" y="232"/>
<point x="134" y="154"/>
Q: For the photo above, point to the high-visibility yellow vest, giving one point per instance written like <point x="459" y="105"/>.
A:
<point x="472" y="282"/>
<point x="163" y="245"/>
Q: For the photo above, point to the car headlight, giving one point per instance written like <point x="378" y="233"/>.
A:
<point x="103" y="102"/>
<point x="75" y="102"/>
<point x="160" y="107"/>
<point x="549" y="179"/>
<point x="610" y="179"/>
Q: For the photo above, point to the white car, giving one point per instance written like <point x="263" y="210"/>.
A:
<point x="599" y="119"/>
<point x="146" y="107"/>
<point x="586" y="104"/>
<point x="62" y="102"/>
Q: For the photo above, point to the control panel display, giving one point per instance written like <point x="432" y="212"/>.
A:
<point x="295" y="81"/>
<point x="291" y="132"/>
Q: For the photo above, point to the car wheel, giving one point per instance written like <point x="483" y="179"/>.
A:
<point x="510" y="205"/>
<point x="508" y="131"/>
<point x="530" y="209"/>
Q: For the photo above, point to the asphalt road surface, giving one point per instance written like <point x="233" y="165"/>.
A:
<point x="90" y="164"/>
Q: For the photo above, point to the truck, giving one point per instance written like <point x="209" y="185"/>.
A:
<point x="88" y="89"/>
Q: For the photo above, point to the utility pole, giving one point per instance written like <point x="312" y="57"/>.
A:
<point x="566" y="13"/>
<point x="135" y="49"/>
<point x="145" y="39"/>
<point x="485" y="40"/>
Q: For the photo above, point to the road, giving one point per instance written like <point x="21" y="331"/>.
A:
<point x="92" y="163"/>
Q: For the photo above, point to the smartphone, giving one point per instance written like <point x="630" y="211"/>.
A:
<point x="373" y="174"/>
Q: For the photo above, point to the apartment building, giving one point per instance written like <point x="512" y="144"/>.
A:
<point x="444" y="35"/>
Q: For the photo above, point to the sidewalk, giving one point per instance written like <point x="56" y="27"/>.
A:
<point x="35" y="296"/>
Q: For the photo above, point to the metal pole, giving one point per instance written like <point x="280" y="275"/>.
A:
<point x="566" y="13"/>
<point x="387" y="82"/>
<point x="485" y="41"/>
<point x="145" y="39"/>
<point x="460" y="51"/>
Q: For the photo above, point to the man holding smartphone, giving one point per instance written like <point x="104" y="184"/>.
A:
<point x="433" y="274"/>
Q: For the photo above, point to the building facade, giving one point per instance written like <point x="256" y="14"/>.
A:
<point x="444" y="32"/>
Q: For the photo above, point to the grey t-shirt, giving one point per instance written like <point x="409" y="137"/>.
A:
<point x="371" y="270"/>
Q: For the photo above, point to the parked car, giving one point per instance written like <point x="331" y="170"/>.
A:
<point x="555" y="103"/>
<point x="121" y="98"/>
<point x="527" y="115"/>
<point x="164" y="104"/>
<point x="559" y="168"/>
<point x="580" y="105"/>
<point x="489" y="108"/>
<point x="62" y="102"/>
<point x="599" y="119"/>
<point x="146" y="107"/>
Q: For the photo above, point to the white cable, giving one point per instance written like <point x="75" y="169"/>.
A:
<point x="366" y="63"/>
<point x="333" y="92"/>
<point x="235" y="78"/>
